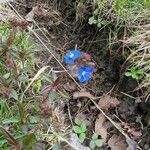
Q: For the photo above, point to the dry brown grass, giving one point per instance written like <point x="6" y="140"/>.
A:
<point x="140" y="57"/>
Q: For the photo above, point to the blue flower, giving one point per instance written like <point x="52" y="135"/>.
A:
<point x="71" y="56"/>
<point x="84" y="74"/>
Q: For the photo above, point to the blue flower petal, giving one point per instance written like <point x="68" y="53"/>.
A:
<point x="84" y="74"/>
<point x="71" y="56"/>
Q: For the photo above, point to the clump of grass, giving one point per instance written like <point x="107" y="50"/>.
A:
<point x="122" y="12"/>
<point x="140" y="57"/>
<point x="133" y="17"/>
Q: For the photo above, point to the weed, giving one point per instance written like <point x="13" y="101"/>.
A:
<point x="135" y="73"/>
<point x="23" y="99"/>
<point x="95" y="141"/>
<point x="98" y="22"/>
<point x="80" y="129"/>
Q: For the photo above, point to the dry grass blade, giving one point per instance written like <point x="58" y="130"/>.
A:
<point x="81" y="94"/>
<point x="36" y="76"/>
<point x="140" y="58"/>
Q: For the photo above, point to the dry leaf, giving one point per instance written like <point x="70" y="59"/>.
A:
<point x="70" y="86"/>
<point x="100" y="127"/>
<point x="117" y="143"/>
<point x="75" y="143"/>
<point x="131" y="130"/>
<point x="36" y="11"/>
<point x="82" y="94"/>
<point x="30" y="16"/>
<point x="107" y="102"/>
<point x="136" y="133"/>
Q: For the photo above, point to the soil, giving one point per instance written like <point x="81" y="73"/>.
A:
<point x="64" y="33"/>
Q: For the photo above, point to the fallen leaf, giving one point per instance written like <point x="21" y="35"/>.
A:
<point x="81" y="94"/>
<point x="131" y="130"/>
<point x="36" y="12"/>
<point x="75" y="143"/>
<point x="70" y="86"/>
<point x="117" y="143"/>
<point x="40" y="12"/>
<point x="107" y="102"/>
<point x="30" y="16"/>
<point x="135" y="133"/>
<point x="100" y="127"/>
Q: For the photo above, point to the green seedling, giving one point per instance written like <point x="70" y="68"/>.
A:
<point x="98" y="22"/>
<point x="95" y="142"/>
<point x="80" y="129"/>
<point x="134" y="73"/>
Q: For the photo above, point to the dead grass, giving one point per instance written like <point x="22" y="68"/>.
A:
<point x="140" y="57"/>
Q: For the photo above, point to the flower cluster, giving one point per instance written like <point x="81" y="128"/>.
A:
<point x="79" y="64"/>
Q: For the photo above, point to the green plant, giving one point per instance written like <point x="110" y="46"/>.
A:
<point x="135" y="73"/>
<point x="98" y="22"/>
<point x="80" y="129"/>
<point x="95" y="141"/>
<point x="20" y="87"/>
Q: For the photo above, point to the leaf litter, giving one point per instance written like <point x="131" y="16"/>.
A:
<point x="117" y="143"/>
<point x="100" y="128"/>
<point x="107" y="102"/>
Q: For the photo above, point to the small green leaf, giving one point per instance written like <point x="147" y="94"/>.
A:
<point x="82" y="137"/>
<point x="99" y="20"/>
<point x="37" y="84"/>
<point x="83" y="127"/>
<point x="23" y="78"/>
<point x="92" y="144"/>
<point x="135" y="76"/>
<point x="56" y="146"/>
<point x="13" y="94"/>
<point x="92" y="20"/>
<point x="77" y="121"/>
<point x="140" y="72"/>
<point x="96" y="12"/>
<point x="128" y="74"/>
<point x="52" y="96"/>
<point x="21" y="109"/>
<point x="77" y="129"/>
<point x="6" y="76"/>
<point x="94" y="136"/>
<point x="14" y="119"/>
<point x="29" y="140"/>
<point x="99" y="25"/>
<point x="64" y="94"/>
<point x="99" y="142"/>
<point x="33" y="119"/>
